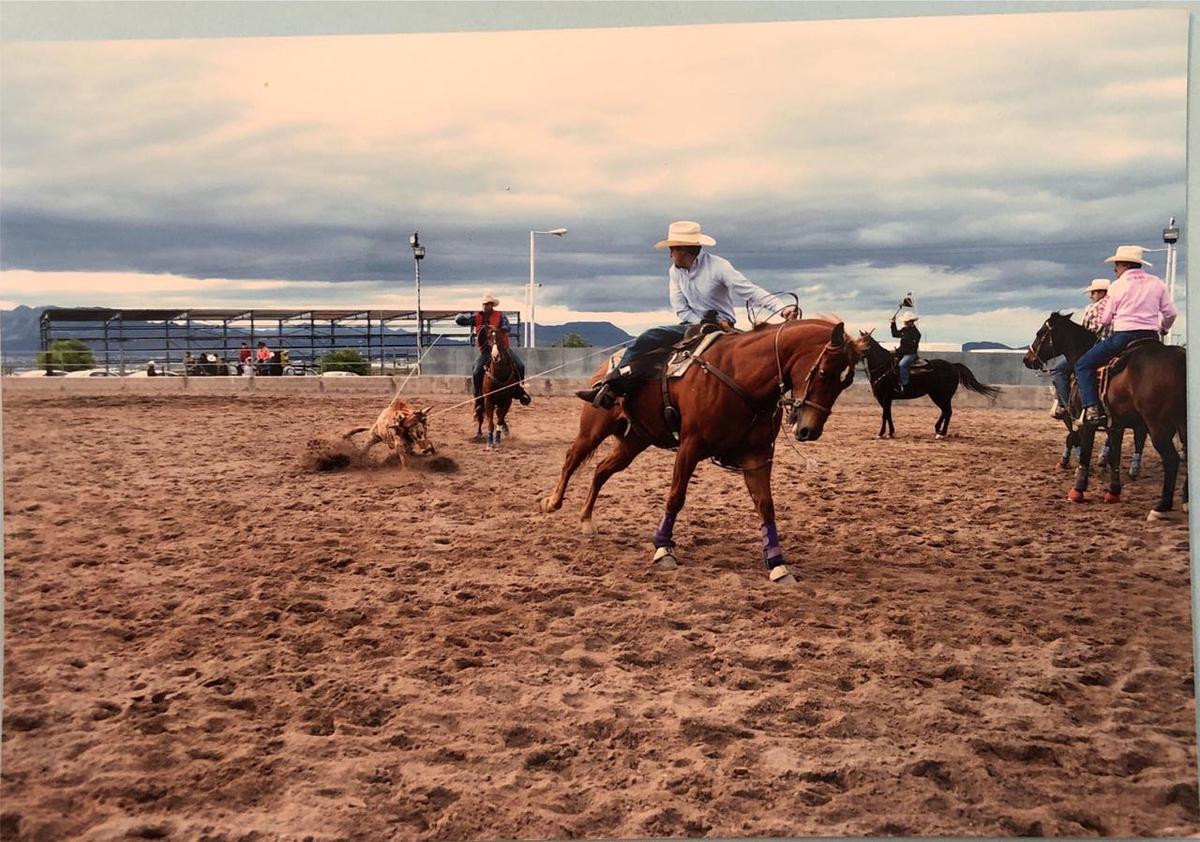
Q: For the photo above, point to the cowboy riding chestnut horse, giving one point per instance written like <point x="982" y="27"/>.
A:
<point x="727" y="406"/>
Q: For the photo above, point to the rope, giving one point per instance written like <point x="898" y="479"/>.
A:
<point x="417" y="367"/>
<point x="607" y="350"/>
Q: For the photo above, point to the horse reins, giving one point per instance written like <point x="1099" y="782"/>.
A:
<point x="791" y="405"/>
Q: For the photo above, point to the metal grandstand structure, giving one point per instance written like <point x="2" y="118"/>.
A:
<point x="122" y="338"/>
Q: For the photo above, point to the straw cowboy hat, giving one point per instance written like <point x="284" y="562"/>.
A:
<point x="1129" y="254"/>
<point x="685" y="234"/>
<point x="1098" y="285"/>
<point x="905" y="318"/>
<point x="491" y="299"/>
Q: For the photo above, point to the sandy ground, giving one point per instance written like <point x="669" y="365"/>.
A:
<point x="205" y="640"/>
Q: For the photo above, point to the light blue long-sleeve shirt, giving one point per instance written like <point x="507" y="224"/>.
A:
<point x="711" y="284"/>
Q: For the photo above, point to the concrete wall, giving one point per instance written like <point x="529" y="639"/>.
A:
<point x="993" y="369"/>
<point x="382" y="388"/>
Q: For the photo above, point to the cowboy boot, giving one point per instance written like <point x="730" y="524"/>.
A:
<point x="1093" y="416"/>
<point x="605" y="393"/>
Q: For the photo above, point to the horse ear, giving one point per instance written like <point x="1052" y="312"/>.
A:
<point x="839" y="335"/>
<point x="425" y="411"/>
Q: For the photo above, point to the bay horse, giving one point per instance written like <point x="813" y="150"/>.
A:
<point x="499" y="379"/>
<point x="939" y="379"/>
<point x="1150" y="387"/>
<point x="730" y="405"/>
<point x="1059" y="336"/>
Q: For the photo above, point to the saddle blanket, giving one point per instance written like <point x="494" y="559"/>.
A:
<point x="680" y="361"/>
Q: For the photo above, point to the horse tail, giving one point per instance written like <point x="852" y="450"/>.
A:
<point x="967" y="379"/>
<point x="355" y="431"/>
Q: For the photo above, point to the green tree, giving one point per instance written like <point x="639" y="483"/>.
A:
<point x="345" y="359"/>
<point x="67" y="355"/>
<point x="573" y="340"/>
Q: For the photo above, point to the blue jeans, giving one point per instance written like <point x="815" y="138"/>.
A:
<point x="1086" y="368"/>
<point x="652" y="340"/>
<point x="481" y="363"/>
<point x="905" y="363"/>
<point x="1061" y="376"/>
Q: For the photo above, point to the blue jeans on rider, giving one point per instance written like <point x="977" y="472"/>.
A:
<point x="481" y="363"/>
<point x="1060" y="375"/>
<point x="1086" y="367"/>
<point x="905" y="363"/>
<point x="651" y="340"/>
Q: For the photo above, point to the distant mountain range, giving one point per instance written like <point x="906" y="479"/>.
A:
<point x="987" y="346"/>
<point x="20" y="333"/>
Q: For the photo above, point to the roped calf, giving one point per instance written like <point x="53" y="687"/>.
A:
<point x="402" y="428"/>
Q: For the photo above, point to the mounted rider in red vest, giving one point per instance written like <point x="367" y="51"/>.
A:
<point x="490" y="316"/>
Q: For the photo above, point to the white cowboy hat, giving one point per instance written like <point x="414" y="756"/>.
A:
<point x="1098" y="285"/>
<point x="491" y="299"/>
<point x="1129" y="254"/>
<point x="907" y="317"/>
<point x="685" y="234"/>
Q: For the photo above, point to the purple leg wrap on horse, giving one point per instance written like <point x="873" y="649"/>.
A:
<point x="662" y="535"/>
<point x="772" y="552"/>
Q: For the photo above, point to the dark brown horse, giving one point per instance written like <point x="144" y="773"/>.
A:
<point x="1057" y="336"/>
<point x="939" y="379"/>
<point x="1151" y="388"/>
<point x="730" y="408"/>
<point x="499" y="385"/>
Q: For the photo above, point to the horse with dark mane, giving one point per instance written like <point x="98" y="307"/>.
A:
<point x="1057" y="336"/>
<point x="939" y="379"/>
<point x="728" y="406"/>
<point x="500" y="379"/>
<point x="1147" y="384"/>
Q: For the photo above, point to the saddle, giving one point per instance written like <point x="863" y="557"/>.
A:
<point x="1117" y="364"/>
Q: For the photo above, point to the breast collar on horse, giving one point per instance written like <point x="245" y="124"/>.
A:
<point x="790" y="406"/>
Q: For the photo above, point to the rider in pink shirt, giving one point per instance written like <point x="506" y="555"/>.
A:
<point x="1138" y="306"/>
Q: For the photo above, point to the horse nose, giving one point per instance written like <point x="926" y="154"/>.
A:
<point x="803" y="434"/>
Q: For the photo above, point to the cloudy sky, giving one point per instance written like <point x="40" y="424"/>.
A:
<point x="988" y="164"/>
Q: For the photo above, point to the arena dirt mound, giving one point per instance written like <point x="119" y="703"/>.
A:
<point x="325" y="455"/>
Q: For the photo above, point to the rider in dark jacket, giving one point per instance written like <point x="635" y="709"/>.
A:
<point x="910" y="340"/>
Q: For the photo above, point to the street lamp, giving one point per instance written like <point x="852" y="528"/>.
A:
<point x="1170" y="236"/>
<point x="418" y="251"/>
<point x="532" y="330"/>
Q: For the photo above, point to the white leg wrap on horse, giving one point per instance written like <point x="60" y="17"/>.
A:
<point x="663" y="557"/>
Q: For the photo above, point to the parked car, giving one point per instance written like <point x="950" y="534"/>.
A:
<point x="41" y="372"/>
<point x="338" y="374"/>
<point x="93" y="372"/>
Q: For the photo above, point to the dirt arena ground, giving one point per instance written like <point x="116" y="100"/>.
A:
<point x="205" y="640"/>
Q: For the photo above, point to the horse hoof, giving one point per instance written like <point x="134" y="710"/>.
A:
<point x="478" y="437"/>
<point x="1075" y="496"/>
<point x="939" y="436"/>
<point x="1134" y="472"/>
<point x="587" y="528"/>
<point x="547" y="506"/>
<point x="1065" y="464"/>
<point x="780" y="575"/>
<point x="1155" y="514"/>
<point x="1109" y="497"/>
<point x="664" y="559"/>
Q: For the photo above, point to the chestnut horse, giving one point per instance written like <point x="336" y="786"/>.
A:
<point x="730" y="405"/>
<point x="499" y="378"/>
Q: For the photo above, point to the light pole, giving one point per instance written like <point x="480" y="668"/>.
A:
<point x="418" y="251"/>
<point x="1170" y="236"/>
<point x="532" y="330"/>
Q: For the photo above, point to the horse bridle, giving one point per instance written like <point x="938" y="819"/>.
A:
<point x="791" y="406"/>
<point x="1044" y="335"/>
